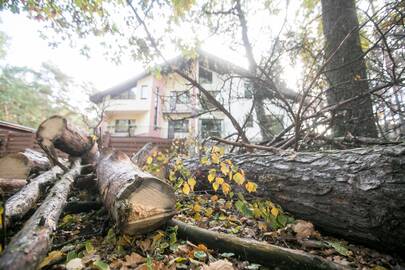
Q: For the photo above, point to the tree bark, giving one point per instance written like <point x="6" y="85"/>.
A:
<point x="346" y="70"/>
<point x="137" y="201"/>
<point x="57" y="132"/>
<point x="260" y="252"/>
<point x="11" y="186"/>
<point x="21" y="165"/>
<point x="139" y="158"/>
<point x="358" y="194"/>
<point x="23" y="201"/>
<point x="31" y="244"/>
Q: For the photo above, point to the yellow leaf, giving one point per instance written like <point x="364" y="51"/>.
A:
<point x="202" y="247"/>
<point x="197" y="207"/>
<point x="274" y="211"/>
<point x="52" y="257"/>
<point x="186" y="189"/>
<point x="226" y="188"/>
<point x="228" y="205"/>
<point x="197" y="216"/>
<point x="219" y="180"/>
<point x="211" y="177"/>
<point x="239" y="178"/>
<point x="251" y="187"/>
<point x="204" y="161"/>
<point x="154" y="154"/>
<point x="191" y="182"/>
<point x="215" y="186"/>
<point x="208" y="212"/>
<point x="224" y="168"/>
<point x="214" y="158"/>
<point x="149" y="160"/>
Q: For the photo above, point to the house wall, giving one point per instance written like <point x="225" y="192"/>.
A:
<point x="156" y="123"/>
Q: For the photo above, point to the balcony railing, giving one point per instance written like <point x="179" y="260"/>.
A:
<point x="127" y="105"/>
<point x="176" y="108"/>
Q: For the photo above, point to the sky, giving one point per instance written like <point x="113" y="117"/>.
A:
<point x="27" y="48"/>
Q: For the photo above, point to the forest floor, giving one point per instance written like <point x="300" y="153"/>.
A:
<point x="87" y="240"/>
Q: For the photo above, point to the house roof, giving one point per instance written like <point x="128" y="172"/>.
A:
<point x="15" y="127"/>
<point x="218" y="64"/>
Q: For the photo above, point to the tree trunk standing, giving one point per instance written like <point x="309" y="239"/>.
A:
<point x="358" y="194"/>
<point x="346" y="71"/>
<point x="137" y="201"/>
<point x="31" y="244"/>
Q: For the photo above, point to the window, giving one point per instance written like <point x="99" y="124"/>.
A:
<point x="205" y="76"/>
<point x="177" y="126"/>
<point x="144" y="92"/>
<point x="130" y="94"/>
<point x="182" y="97"/>
<point x="205" y="104"/>
<point x="249" y="121"/>
<point x="248" y="90"/>
<point x="211" y="127"/>
<point x="124" y="125"/>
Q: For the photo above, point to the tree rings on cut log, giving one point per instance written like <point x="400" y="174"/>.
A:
<point x="20" y="165"/>
<point x="56" y="132"/>
<point x="138" y="201"/>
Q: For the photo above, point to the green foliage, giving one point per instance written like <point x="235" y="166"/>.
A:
<point x="28" y="96"/>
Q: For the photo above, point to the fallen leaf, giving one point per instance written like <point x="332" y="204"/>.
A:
<point x="75" y="264"/>
<point x="52" y="257"/>
<point x="134" y="259"/>
<point x="251" y="187"/>
<point x="303" y="229"/>
<point x="186" y="189"/>
<point x="219" y="265"/>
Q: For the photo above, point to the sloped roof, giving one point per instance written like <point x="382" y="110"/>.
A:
<point x="219" y="64"/>
<point x="16" y="127"/>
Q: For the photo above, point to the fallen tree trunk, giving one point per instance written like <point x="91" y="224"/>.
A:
<point x="140" y="157"/>
<point x="31" y="244"/>
<point x="57" y="132"/>
<point x="11" y="186"/>
<point x="256" y="251"/>
<point x="20" y="203"/>
<point x="21" y="165"/>
<point x="137" y="201"/>
<point x="358" y="194"/>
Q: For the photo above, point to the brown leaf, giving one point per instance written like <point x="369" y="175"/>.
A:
<point x="219" y="265"/>
<point x="303" y="229"/>
<point x="134" y="259"/>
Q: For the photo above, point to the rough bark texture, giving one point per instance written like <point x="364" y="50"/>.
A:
<point x="358" y="194"/>
<point x="31" y="244"/>
<point x="20" y="165"/>
<point x="138" y="201"/>
<point x="346" y="71"/>
<point x="57" y="132"/>
<point x="139" y="158"/>
<point x="260" y="252"/>
<point x="20" y="203"/>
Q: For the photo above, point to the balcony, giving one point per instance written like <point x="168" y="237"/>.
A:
<point x="127" y="105"/>
<point x="173" y="108"/>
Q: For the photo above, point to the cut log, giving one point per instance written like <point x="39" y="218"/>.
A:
<point x="266" y="254"/>
<point x="57" y="132"/>
<point x="31" y="244"/>
<point x="358" y="194"/>
<point x="20" y="165"/>
<point x="11" y="186"/>
<point x="20" y="203"/>
<point x="137" y="201"/>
